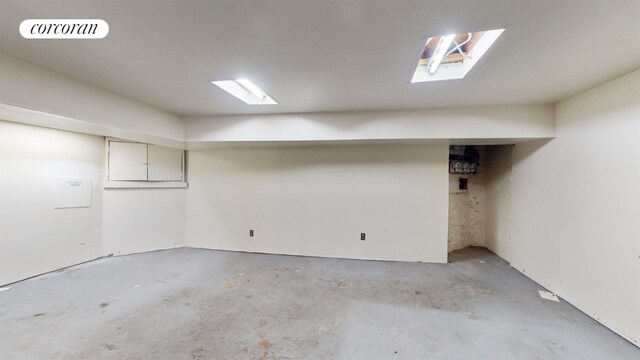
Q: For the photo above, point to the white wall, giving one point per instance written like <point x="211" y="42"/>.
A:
<point x="486" y="122"/>
<point x="137" y="220"/>
<point x="316" y="200"/>
<point x="38" y="118"/>
<point x="31" y="87"/>
<point x="576" y="206"/>
<point x="35" y="237"/>
<point x="497" y="175"/>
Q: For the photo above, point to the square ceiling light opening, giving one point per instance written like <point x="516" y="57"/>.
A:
<point x="452" y="56"/>
<point x="246" y="91"/>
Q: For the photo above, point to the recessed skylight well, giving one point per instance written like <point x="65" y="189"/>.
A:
<point x="452" y="56"/>
<point x="246" y="91"/>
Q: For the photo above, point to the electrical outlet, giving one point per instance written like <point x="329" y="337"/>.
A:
<point x="250" y="233"/>
<point x="362" y="236"/>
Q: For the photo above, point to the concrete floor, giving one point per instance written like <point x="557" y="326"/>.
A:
<point x="204" y="304"/>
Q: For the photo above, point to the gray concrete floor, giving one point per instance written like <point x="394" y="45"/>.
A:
<point x="204" y="304"/>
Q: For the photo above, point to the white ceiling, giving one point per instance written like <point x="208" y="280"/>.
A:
<point x="341" y="55"/>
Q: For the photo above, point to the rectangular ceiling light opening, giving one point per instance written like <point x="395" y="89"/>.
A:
<point x="246" y="91"/>
<point x="452" y="56"/>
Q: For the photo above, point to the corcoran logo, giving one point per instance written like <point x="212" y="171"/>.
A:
<point x="64" y="29"/>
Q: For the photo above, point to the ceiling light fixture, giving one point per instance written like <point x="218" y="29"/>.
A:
<point x="441" y="50"/>
<point x="247" y="84"/>
<point x="452" y="56"/>
<point x="245" y="90"/>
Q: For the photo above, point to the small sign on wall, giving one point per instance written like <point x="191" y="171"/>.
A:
<point x="73" y="192"/>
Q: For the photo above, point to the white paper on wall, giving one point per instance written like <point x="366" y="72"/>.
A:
<point x="73" y="192"/>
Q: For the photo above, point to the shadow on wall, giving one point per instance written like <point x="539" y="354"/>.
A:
<point x="498" y="196"/>
<point x="499" y="164"/>
<point x="527" y="149"/>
